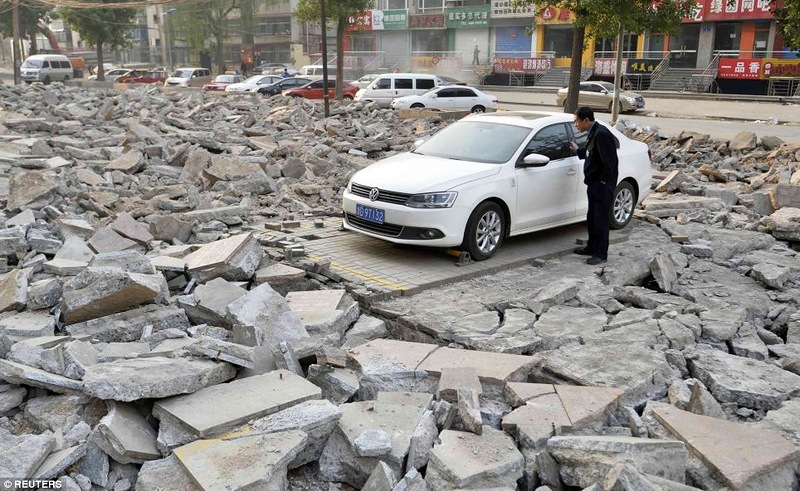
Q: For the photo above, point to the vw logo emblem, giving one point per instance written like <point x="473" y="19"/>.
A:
<point x="374" y="193"/>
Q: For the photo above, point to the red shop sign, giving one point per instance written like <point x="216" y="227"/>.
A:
<point x="739" y="68"/>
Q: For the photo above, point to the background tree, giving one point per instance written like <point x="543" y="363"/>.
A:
<point x="787" y="17"/>
<point x="605" y="18"/>
<point x="206" y="21"/>
<point x="99" y="26"/>
<point x="33" y="19"/>
<point x="338" y="11"/>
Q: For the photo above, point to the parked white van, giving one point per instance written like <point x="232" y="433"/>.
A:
<point x="311" y="71"/>
<point x="188" y="77"/>
<point x="389" y="86"/>
<point x="46" y="69"/>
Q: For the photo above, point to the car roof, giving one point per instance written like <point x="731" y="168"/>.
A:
<point x="528" y="119"/>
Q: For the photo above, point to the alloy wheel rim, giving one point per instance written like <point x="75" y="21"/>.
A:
<point x="623" y="205"/>
<point x="488" y="232"/>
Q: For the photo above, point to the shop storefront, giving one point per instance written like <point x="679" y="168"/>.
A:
<point x="429" y="41"/>
<point x="393" y="38"/>
<point x="470" y="28"/>
<point x="555" y="27"/>
<point x="513" y="27"/>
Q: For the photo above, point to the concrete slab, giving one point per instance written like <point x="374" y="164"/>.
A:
<point x="740" y="454"/>
<point x="584" y="404"/>
<point x="250" y="462"/>
<point x="468" y="461"/>
<point x="454" y="378"/>
<point x="107" y="240"/>
<point x="222" y="407"/>
<point x="316" y="300"/>
<point x="129" y="437"/>
<point x="128" y="227"/>
<point x="165" y="475"/>
<point x="28" y="324"/>
<point x="216" y="253"/>
<point x="387" y="355"/>
<point x="20" y="374"/>
<point x="490" y="367"/>
<point x="57" y="462"/>
<point x="521" y="392"/>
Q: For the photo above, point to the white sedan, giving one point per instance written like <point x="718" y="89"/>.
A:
<point x="487" y="177"/>
<point x="449" y="98"/>
<point x="252" y="84"/>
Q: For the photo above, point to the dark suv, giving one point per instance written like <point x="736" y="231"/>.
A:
<point x="281" y="85"/>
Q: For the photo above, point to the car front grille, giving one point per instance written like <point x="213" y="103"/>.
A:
<point x="383" y="195"/>
<point x="387" y="229"/>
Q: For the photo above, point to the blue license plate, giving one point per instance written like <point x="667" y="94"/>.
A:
<point x="641" y="104"/>
<point x="370" y="214"/>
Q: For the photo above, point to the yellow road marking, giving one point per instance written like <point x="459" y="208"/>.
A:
<point x="365" y="276"/>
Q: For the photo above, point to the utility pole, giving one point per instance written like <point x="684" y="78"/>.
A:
<point x="617" y="77"/>
<point x="324" y="60"/>
<point x="15" y="49"/>
<point x="162" y="36"/>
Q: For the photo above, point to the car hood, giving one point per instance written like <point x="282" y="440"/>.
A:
<point x="412" y="173"/>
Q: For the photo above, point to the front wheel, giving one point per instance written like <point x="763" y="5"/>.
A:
<point x="622" y="203"/>
<point x="485" y="230"/>
<point x="478" y="110"/>
<point x="347" y="97"/>
<point x="417" y="106"/>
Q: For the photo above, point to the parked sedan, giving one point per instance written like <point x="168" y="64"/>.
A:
<point x="314" y="90"/>
<point x="115" y="73"/>
<point x="600" y="95"/>
<point x="253" y="83"/>
<point x="152" y="77"/>
<point x="283" y="84"/>
<point x="487" y="177"/>
<point x="222" y="81"/>
<point x="449" y="98"/>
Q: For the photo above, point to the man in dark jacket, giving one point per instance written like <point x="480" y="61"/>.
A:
<point x="600" y="172"/>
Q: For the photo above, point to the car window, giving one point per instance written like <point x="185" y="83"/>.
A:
<point x="446" y="93"/>
<point x="403" y="83"/>
<point x="476" y="141"/>
<point x="65" y="64"/>
<point x="552" y="142"/>
<point x="425" y="83"/>
<point x="465" y="93"/>
<point x="316" y="85"/>
<point x="383" y="83"/>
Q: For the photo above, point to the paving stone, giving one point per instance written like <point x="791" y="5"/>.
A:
<point x="130" y="325"/>
<point x="209" y="302"/>
<point x="20" y="374"/>
<point x="397" y="413"/>
<point x="422" y="441"/>
<point x="381" y="479"/>
<point x="747" y="382"/>
<point x="44" y="294"/>
<point x="94" y="465"/>
<point x="743" y="456"/>
<point x="216" y="349"/>
<point x="562" y="325"/>
<point x="468" y="461"/>
<point x="203" y="414"/>
<point x="234" y="259"/>
<point x="372" y="443"/>
<point x="152" y="378"/>
<point x="210" y="467"/>
<point x="702" y="402"/>
<point x="24" y="454"/>
<point x="585" y="460"/>
<point x="120" y="351"/>
<point x="663" y="269"/>
<point x="493" y="368"/>
<point x="453" y="379"/>
<point x="640" y="372"/>
<point x="126" y="436"/>
<point x="11" y="398"/>
<point x="338" y="385"/>
<point x="99" y="292"/>
<point x="553" y="294"/>
<point x="31" y="189"/>
<point x="13" y="291"/>
<point x="317" y="418"/>
<point x="107" y="240"/>
<point x="28" y="324"/>
<point x="57" y="462"/>
<point x="21" y="219"/>
<point x="130" y="162"/>
<point x="170" y="228"/>
<point x="469" y="410"/>
<point x="128" y="227"/>
<point x="278" y="275"/>
<point x="263" y="318"/>
<point x="784" y="420"/>
<point x="771" y="275"/>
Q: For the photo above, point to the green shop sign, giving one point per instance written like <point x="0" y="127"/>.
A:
<point x="461" y="17"/>
<point x="395" y="19"/>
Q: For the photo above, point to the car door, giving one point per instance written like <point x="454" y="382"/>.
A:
<point x="446" y="99"/>
<point x="547" y="194"/>
<point x="314" y="90"/>
<point x="467" y="99"/>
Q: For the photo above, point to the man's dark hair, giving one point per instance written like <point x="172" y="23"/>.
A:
<point x="585" y="113"/>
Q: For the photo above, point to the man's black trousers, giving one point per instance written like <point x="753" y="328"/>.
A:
<point x="597" y="218"/>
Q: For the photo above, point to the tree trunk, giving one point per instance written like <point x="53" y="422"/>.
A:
<point x="571" y="104"/>
<point x="101" y="73"/>
<point x="33" y="48"/>
<point x="341" y="23"/>
<point x="219" y="52"/>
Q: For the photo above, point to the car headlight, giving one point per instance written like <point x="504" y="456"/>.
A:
<point x="632" y="100"/>
<point x="432" y="200"/>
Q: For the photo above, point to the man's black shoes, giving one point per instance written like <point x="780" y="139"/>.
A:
<point x="582" y="251"/>
<point x="594" y="260"/>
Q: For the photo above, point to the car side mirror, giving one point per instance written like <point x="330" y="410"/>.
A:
<point x="434" y="96"/>
<point x="535" y="160"/>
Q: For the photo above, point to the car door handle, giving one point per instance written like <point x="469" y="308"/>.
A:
<point x="571" y="172"/>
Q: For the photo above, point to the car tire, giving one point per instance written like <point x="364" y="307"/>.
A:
<point x="619" y="107"/>
<point x="485" y="230"/>
<point x="622" y="204"/>
<point x="46" y="80"/>
<point x="417" y="106"/>
<point x="478" y="109"/>
<point x="347" y="97"/>
<point x="65" y="79"/>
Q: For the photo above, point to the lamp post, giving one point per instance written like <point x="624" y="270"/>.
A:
<point x="167" y="38"/>
<point x="326" y="103"/>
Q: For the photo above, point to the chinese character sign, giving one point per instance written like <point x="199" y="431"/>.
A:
<point x="721" y="10"/>
<point x="507" y="9"/>
<point x="426" y="21"/>
<point x="467" y="17"/>
<point x="393" y="19"/>
<point x="527" y="65"/>
<point x="641" y="65"/>
<point x="739" y="68"/>
<point x="360" y="21"/>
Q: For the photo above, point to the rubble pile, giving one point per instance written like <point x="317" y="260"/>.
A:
<point x="153" y="336"/>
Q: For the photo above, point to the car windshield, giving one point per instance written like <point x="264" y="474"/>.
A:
<point x="225" y="79"/>
<point x="476" y="141"/>
<point x="32" y="64"/>
<point x="182" y="73"/>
